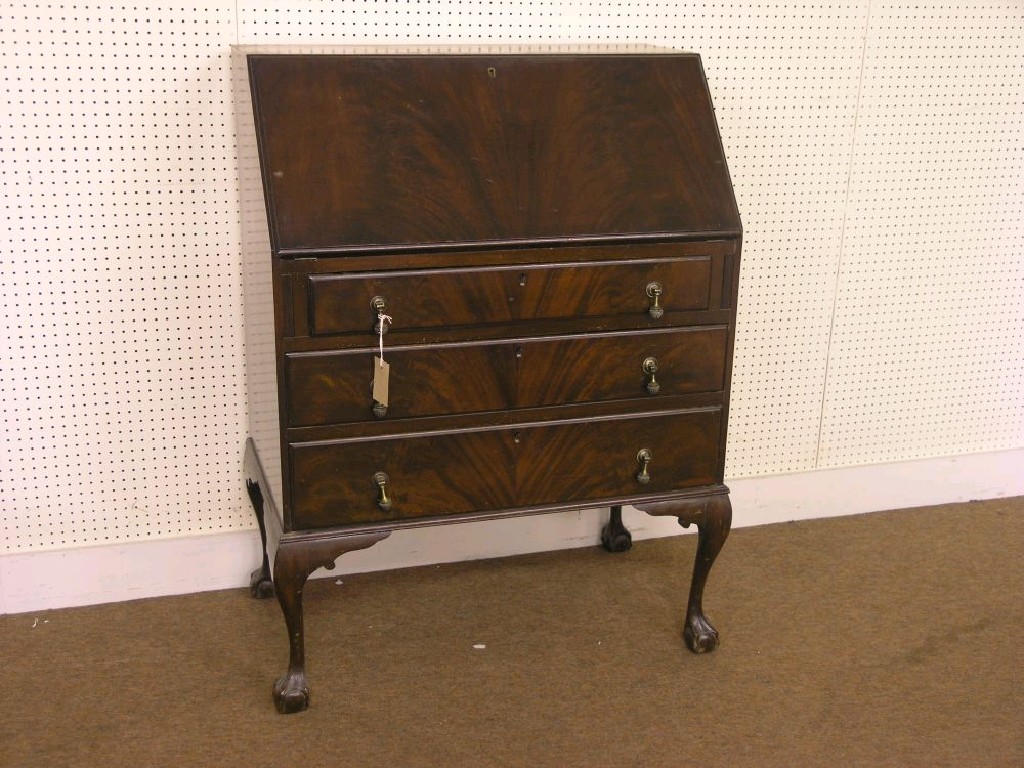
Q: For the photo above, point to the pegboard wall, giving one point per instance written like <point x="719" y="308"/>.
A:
<point x="877" y="150"/>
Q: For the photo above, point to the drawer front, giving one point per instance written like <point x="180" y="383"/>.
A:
<point x="506" y="468"/>
<point x="335" y="387"/>
<point x="418" y="299"/>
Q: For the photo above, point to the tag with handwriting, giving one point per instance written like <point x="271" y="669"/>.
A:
<point x="381" y="374"/>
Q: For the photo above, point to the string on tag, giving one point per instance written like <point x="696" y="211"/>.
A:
<point x="381" y="319"/>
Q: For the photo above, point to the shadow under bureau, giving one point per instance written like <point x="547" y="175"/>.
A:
<point x="480" y="285"/>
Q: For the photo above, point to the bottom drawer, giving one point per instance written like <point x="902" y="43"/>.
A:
<point x="529" y="465"/>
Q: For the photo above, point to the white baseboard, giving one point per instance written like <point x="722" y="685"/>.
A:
<point x="58" y="579"/>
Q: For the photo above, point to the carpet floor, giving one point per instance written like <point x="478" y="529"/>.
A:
<point x="889" y="639"/>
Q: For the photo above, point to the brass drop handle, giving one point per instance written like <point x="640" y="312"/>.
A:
<point x="380" y="479"/>
<point x="644" y="459"/>
<point x="650" y="367"/>
<point x="654" y="291"/>
<point x="380" y="317"/>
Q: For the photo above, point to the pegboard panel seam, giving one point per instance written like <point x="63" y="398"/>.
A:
<point x="842" y="236"/>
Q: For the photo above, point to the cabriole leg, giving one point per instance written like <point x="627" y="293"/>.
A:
<point x="291" y="692"/>
<point x="294" y="562"/>
<point x="713" y="523"/>
<point x="260" y="583"/>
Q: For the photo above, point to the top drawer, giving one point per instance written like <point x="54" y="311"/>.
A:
<point x="435" y="298"/>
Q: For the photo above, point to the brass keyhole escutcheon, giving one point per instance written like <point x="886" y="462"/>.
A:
<point x="654" y="292"/>
<point x="644" y="458"/>
<point x="650" y="367"/>
<point x="380" y="479"/>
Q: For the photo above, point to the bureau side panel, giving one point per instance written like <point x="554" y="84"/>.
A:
<point x="258" y="290"/>
<point x="730" y="298"/>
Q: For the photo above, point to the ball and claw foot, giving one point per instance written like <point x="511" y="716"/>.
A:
<point x="616" y="541"/>
<point x="699" y="635"/>
<point x="291" y="694"/>
<point x="615" y="537"/>
<point x="261" y="585"/>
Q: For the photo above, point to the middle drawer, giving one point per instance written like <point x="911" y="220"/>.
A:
<point x="432" y="380"/>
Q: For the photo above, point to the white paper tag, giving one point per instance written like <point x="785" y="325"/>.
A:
<point x="381" y="374"/>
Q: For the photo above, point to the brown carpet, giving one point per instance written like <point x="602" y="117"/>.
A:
<point x="888" y="639"/>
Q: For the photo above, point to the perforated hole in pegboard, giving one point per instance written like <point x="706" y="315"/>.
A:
<point x="929" y="324"/>
<point x="898" y="219"/>
<point x="121" y="380"/>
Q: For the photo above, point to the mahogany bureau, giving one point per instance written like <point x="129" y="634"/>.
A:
<point x="481" y="285"/>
